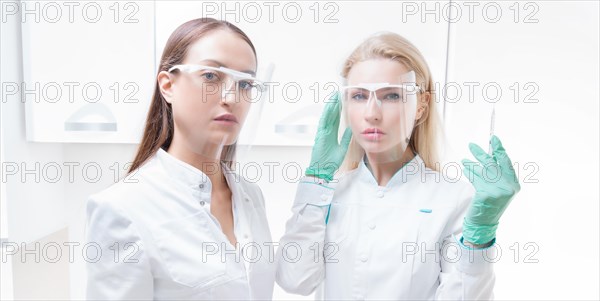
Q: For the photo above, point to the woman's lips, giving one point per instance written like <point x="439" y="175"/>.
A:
<point x="372" y="134"/>
<point x="226" y="119"/>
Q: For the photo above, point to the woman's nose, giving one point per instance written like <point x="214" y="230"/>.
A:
<point x="229" y="92"/>
<point x="373" y="109"/>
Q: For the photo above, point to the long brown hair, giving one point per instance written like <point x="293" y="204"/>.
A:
<point x="158" y="132"/>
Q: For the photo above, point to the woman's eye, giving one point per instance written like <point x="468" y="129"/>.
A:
<point x="393" y="96"/>
<point x="209" y="76"/>
<point x="359" y="96"/>
<point x="246" y="85"/>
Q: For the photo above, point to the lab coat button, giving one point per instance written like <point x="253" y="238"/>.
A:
<point x="202" y="203"/>
<point x="201" y="186"/>
<point x="379" y="194"/>
<point x="364" y="258"/>
<point x="371" y="225"/>
<point x="324" y="197"/>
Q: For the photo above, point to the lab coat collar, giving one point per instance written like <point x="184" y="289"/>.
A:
<point x="183" y="172"/>
<point x="410" y="170"/>
<point x="197" y="180"/>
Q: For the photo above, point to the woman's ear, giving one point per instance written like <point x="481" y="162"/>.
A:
<point x="423" y="105"/>
<point x="165" y="84"/>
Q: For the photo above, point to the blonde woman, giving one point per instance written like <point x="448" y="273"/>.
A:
<point x="393" y="226"/>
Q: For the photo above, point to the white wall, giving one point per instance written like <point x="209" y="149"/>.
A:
<point x="41" y="201"/>
<point x="559" y="134"/>
<point x="553" y="140"/>
<point x="6" y="285"/>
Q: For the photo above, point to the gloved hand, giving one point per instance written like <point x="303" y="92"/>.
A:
<point x="496" y="184"/>
<point x="327" y="154"/>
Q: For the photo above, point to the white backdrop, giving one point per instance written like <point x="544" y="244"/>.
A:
<point x="537" y="61"/>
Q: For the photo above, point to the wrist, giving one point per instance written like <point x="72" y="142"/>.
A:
<point x="477" y="246"/>
<point x="314" y="180"/>
<point x="477" y="234"/>
<point x="321" y="173"/>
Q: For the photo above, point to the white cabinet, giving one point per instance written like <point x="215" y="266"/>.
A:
<point x="88" y="70"/>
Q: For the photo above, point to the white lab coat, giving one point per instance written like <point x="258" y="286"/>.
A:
<point x="401" y="241"/>
<point x="163" y="223"/>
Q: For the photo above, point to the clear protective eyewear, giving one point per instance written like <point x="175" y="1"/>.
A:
<point x="381" y="115"/>
<point x="222" y="85"/>
<point x="221" y="79"/>
<point x="380" y="92"/>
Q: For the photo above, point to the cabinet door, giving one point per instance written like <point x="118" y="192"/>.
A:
<point x="88" y="70"/>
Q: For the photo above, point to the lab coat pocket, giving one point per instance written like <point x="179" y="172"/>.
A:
<point x="190" y="249"/>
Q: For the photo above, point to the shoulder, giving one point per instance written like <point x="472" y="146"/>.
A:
<point x="345" y="180"/>
<point x="250" y="191"/>
<point x="128" y="193"/>
<point x="451" y="181"/>
<point x="439" y="188"/>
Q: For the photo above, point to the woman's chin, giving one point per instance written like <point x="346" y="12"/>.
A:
<point x="375" y="148"/>
<point x="224" y="137"/>
<point x="383" y="155"/>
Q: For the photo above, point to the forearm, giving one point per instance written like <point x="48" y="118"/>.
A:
<point x="298" y="271"/>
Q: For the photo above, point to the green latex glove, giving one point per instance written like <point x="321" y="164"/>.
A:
<point x="496" y="184"/>
<point x="327" y="154"/>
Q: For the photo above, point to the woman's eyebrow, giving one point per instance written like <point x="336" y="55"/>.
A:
<point x="219" y="64"/>
<point x="214" y="62"/>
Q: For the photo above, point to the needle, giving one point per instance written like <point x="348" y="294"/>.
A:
<point x="493" y="120"/>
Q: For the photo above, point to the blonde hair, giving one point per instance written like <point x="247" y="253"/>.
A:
<point x="424" y="139"/>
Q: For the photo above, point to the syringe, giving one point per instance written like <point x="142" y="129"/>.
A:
<point x="493" y="120"/>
